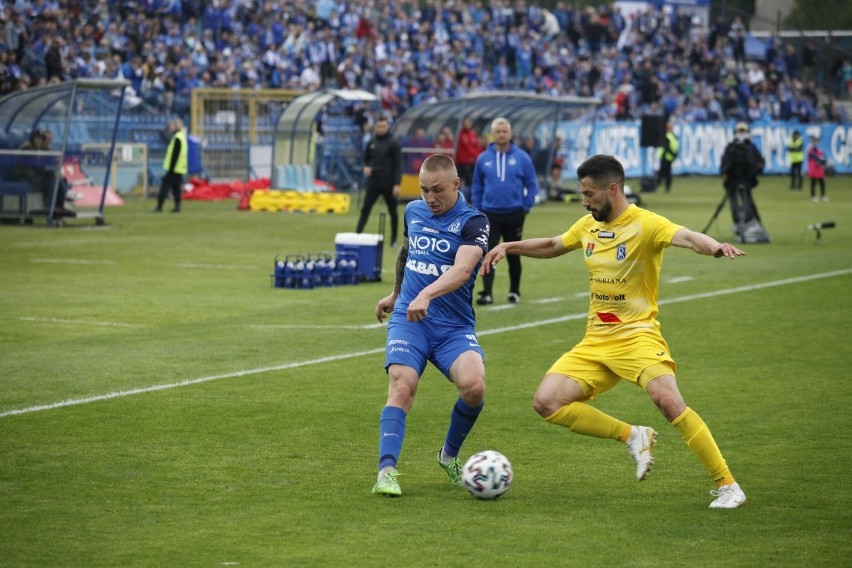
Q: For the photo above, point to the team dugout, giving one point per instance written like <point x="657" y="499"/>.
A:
<point x="79" y="120"/>
<point x="433" y="128"/>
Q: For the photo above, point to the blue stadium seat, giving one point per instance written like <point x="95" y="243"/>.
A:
<point x="280" y="175"/>
<point x="307" y="176"/>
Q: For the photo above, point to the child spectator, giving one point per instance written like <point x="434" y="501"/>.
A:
<point x="816" y="169"/>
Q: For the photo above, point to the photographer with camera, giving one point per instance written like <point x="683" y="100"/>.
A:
<point x="741" y="164"/>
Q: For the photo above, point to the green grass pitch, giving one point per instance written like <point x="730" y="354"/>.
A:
<point x="161" y="404"/>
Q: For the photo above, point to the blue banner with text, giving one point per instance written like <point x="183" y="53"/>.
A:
<point x="701" y="145"/>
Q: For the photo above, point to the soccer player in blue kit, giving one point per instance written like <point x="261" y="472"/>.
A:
<point x="432" y="316"/>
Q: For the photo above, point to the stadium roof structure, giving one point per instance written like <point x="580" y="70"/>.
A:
<point x="318" y="130"/>
<point x="80" y="114"/>
<point x="297" y="124"/>
<point x="537" y="119"/>
<point x="528" y="113"/>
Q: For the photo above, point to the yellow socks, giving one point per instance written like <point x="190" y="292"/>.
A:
<point x="583" y="419"/>
<point x="699" y="439"/>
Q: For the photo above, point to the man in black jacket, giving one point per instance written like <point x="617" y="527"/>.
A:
<point x="383" y="174"/>
<point x="742" y="162"/>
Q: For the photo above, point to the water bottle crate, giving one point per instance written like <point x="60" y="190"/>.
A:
<point x="306" y="271"/>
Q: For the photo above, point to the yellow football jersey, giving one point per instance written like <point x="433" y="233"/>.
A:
<point x="624" y="259"/>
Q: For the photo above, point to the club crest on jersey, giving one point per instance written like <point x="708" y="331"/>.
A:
<point x="590" y="248"/>
<point x="621" y="252"/>
<point x="455" y="227"/>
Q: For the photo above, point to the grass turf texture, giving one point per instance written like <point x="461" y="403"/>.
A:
<point x="274" y="467"/>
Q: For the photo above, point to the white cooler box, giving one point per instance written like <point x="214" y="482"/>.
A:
<point x="366" y="248"/>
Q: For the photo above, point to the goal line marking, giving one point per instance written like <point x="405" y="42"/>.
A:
<point x="344" y="356"/>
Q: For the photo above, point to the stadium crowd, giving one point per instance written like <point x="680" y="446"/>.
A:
<point x="408" y="53"/>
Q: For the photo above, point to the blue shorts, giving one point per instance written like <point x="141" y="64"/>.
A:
<point x="414" y="343"/>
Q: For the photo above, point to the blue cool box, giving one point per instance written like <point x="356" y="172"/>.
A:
<point x="366" y="248"/>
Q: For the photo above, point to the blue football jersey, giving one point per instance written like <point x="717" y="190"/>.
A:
<point x="432" y="245"/>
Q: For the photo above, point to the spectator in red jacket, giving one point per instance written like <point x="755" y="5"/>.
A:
<point x="468" y="150"/>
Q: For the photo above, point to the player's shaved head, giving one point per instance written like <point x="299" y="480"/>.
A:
<point x="439" y="163"/>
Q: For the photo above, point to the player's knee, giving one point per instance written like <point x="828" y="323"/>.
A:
<point x="400" y="396"/>
<point x="473" y="393"/>
<point x="670" y="403"/>
<point x="544" y="404"/>
<point x="554" y="392"/>
<point x="401" y="389"/>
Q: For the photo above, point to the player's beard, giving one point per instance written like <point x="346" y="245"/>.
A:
<point x="601" y="214"/>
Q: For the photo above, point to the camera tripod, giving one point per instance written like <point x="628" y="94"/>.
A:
<point x="715" y="213"/>
<point x="742" y="207"/>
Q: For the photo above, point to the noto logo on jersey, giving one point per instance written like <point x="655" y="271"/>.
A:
<point x="590" y="248"/>
<point x="422" y="242"/>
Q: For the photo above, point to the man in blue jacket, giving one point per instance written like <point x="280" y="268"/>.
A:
<point x="504" y="188"/>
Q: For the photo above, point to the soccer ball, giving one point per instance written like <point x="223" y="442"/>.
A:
<point x="487" y="475"/>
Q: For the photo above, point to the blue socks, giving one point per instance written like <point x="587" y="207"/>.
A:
<point x="392" y="431"/>
<point x="461" y="423"/>
<point x="391" y="434"/>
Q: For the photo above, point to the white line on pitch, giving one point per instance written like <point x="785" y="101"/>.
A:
<point x="541" y="301"/>
<point x="217" y="266"/>
<point x="679" y="279"/>
<point x="286" y="366"/>
<point x="70" y="261"/>
<point x="503" y="307"/>
<point x="308" y="326"/>
<point x="78" y="322"/>
<point x="188" y="382"/>
<point x="552" y="300"/>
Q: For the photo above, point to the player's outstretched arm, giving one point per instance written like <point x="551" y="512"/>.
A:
<point x="703" y="244"/>
<point x="535" y="248"/>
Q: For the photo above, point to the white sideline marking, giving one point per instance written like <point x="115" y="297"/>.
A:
<point x="679" y="279"/>
<point x="189" y="382"/>
<point x="78" y="322"/>
<point x="70" y="261"/>
<point x="541" y="301"/>
<point x="308" y="326"/>
<point x="217" y="266"/>
<point x="552" y="300"/>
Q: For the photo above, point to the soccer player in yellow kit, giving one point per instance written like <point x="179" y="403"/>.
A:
<point x="623" y="249"/>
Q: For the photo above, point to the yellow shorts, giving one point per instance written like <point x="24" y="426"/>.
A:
<point x="600" y="361"/>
